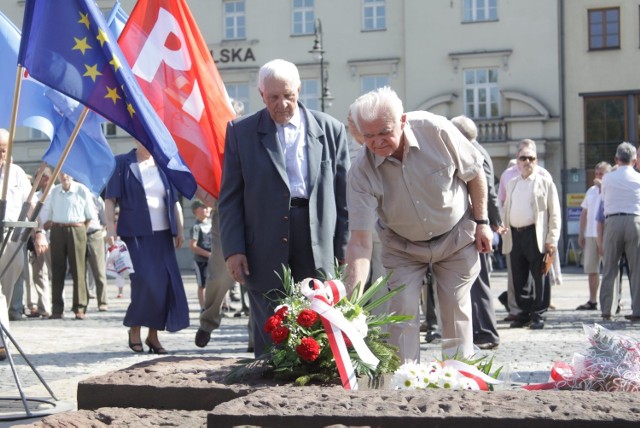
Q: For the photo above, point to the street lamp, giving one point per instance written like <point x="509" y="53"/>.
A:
<point x="318" y="54"/>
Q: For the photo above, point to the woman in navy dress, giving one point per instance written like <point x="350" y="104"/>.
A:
<point x="150" y="224"/>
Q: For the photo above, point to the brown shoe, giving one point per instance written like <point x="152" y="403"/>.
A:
<point x="3" y="354"/>
<point x="80" y="315"/>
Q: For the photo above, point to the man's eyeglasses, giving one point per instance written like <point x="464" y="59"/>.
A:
<point x="529" y="158"/>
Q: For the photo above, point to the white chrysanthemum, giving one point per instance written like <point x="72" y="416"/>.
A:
<point x="403" y="380"/>
<point x="469" y="384"/>
<point x="360" y="324"/>
<point x="449" y="372"/>
<point x="449" y="383"/>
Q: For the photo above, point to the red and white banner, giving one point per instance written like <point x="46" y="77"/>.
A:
<point x="176" y="71"/>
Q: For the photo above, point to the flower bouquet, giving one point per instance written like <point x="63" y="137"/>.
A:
<point x="448" y="374"/>
<point x="611" y="363"/>
<point x="320" y="334"/>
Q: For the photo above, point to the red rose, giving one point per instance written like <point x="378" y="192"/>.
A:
<point x="308" y="349"/>
<point x="282" y="312"/>
<point x="272" y="323"/>
<point x="307" y="318"/>
<point x="279" y="334"/>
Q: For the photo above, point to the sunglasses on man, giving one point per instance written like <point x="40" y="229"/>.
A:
<point x="525" y="158"/>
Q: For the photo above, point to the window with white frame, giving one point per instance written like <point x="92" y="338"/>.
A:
<point x="234" y="20"/>
<point x="310" y="93"/>
<point x="303" y="18"/>
<point x="481" y="93"/>
<point x="479" y="10"/>
<point x="374" y="15"/>
<point x="240" y="92"/>
<point x="373" y="81"/>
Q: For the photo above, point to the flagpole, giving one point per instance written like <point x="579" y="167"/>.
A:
<point x="45" y="192"/>
<point x="8" y="160"/>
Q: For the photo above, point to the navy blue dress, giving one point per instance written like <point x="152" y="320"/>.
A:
<point x="158" y="299"/>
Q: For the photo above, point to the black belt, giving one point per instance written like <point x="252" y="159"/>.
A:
<point x="522" y="229"/>
<point x="617" y="214"/>
<point x="91" y="232"/>
<point x="299" y="202"/>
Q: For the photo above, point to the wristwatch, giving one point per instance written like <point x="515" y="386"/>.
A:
<point x="482" y="221"/>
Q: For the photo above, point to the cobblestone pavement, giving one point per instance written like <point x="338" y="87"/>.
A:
<point x="68" y="351"/>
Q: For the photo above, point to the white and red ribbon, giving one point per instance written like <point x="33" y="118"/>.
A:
<point x="323" y="297"/>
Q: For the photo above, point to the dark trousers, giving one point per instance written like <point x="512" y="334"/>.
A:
<point x="485" y="328"/>
<point x="527" y="259"/>
<point x="68" y="243"/>
<point x="302" y="266"/>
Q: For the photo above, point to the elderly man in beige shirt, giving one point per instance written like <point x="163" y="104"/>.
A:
<point x="419" y="175"/>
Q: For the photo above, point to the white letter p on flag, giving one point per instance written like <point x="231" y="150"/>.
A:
<point x="155" y="52"/>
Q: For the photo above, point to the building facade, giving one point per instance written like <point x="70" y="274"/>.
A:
<point x="560" y="72"/>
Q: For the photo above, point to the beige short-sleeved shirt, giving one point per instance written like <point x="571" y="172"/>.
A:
<point x="423" y="196"/>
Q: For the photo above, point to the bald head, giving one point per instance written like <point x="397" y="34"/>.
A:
<point x="4" y="144"/>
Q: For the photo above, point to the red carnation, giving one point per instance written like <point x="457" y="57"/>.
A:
<point x="279" y="334"/>
<point x="308" y="349"/>
<point x="272" y="323"/>
<point x="307" y="318"/>
<point x="347" y="341"/>
<point x="282" y="312"/>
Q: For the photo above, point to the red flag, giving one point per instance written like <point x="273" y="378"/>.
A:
<point x="175" y="69"/>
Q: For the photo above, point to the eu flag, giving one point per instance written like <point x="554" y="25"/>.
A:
<point x="67" y="46"/>
<point x="90" y="160"/>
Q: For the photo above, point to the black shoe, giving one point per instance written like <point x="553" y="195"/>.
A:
<point x="606" y="317"/>
<point x="537" y="325"/>
<point x="504" y="299"/>
<point x="135" y="346"/>
<point x="155" y="349"/>
<point x="589" y="306"/>
<point x="519" y="323"/>
<point x="202" y="338"/>
<point x="432" y="336"/>
<point x="487" y="345"/>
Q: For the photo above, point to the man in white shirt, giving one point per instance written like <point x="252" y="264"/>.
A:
<point x="621" y="196"/>
<point x="588" y="236"/>
<point x="17" y="194"/>
<point x="532" y="217"/>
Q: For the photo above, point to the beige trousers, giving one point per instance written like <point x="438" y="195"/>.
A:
<point x="455" y="267"/>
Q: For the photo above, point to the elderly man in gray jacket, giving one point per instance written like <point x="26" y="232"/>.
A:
<point x="283" y="194"/>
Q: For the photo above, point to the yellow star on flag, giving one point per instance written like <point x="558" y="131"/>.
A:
<point x="115" y="63"/>
<point x="130" y="109"/>
<point x="102" y="37"/>
<point x="112" y="94"/>
<point x="81" y="45"/>
<point x="84" y="19"/>
<point x="92" y="72"/>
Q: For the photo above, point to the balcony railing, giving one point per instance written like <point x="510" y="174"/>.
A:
<point x="492" y="130"/>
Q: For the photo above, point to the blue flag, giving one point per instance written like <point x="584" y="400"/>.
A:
<point x="117" y="19"/>
<point x="35" y="110"/>
<point x="67" y="46"/>
<point x="90" y="159"/>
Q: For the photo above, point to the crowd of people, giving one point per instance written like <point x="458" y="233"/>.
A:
<point x="412" y="193"/>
